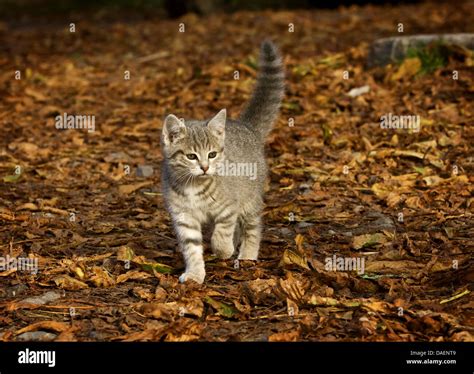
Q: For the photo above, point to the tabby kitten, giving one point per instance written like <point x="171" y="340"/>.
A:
<point x="197" y="191"/>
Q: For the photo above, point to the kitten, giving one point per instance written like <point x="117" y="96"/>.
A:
<point x="198" y="190"/>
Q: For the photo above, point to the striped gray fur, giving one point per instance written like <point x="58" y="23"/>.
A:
<point x="263" y="107"/>
<point x="197" y="194"/>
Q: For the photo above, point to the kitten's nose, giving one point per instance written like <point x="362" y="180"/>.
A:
<point x="204" y="168"/>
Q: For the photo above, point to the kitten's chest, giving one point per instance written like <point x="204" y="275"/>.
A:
<point x="200" y="205"/>
<point x="201" y="196"/>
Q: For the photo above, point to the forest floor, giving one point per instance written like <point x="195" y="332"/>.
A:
<point x="399" y="202"/>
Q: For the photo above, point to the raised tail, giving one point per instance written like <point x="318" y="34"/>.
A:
<point x="264" y="105"/>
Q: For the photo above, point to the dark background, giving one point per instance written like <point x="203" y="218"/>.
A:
<point x="170" y="8"/>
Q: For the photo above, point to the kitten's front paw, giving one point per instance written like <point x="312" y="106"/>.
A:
<point x="248" y="252"/>
<point x="195" y="276"/>
<point x="252" y="257"/>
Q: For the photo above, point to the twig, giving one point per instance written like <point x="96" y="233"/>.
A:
<point x="459" y="295"/>
<point x="153" y="56"/>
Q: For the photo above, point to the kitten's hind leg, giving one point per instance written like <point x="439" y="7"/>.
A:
<point x="251" y="236"/>
<point x="222" y="238"/>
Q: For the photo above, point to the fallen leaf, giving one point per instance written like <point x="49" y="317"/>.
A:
<point x="287" y="336"/>
<point x="125" y="253"/>
<point x="292" y="288"/>
<point x="6" y="273"/>
<point x="181" y="338"/>
<point x="127" y="189"/>
<point x="45" y="325"/>
<point x="155" y="266"/>
<point x="101" y="277"/>
<point x="321" y="300"/>
<point x="143" y="293"/>
<point x="132" y="274"/>
<point x="27" y="206"/>
<point x="392" y="267"/>
<point x="12" y="178"/>
<point x="222" y="309"/>
<point x="292" y="258"/>
<point x="368" y="240"/>
<point x="261" y="291"/>
<point x="377" y="306"/>
<point x="299" y="243"/>
<point x="69" y="283"/>
<point x="408" y="69"/>
<point x="292" y="308"/>
<point x="171" y="310"/>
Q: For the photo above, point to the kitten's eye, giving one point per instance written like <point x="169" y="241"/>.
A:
<point x="192" y="156"/>
<point x="212" y="154"/>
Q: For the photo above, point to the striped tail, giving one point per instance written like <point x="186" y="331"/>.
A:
<point x="264" y="105"/>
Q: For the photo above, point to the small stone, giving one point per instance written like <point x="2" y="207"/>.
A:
<point x="116" y="157"/>
<point x="284" y="231"/>
<point x="16" y="290"/>
<point x="144" y="171"/>
<point x="305" y="186"/>
<point x="302" y="225"/>
<point x="37" y="336"/>
<point x="372" y="179"/>
<point x="390" y="50"/>
<point x="43" y="299"/>
<point x="359" y="91"/>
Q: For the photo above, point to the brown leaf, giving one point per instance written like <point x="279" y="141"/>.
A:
<point x="27" y="206"/>
<point x="287" y="336"/>
<point x="292" y="288"/>
<point x="127" y="189"/>
<point x="101" y="277"/>
<point x="368" y="240"/>
<point x="181" y="338"/>
<point x="260" y="291"/>
<point x="292" y="258"/>
<point x="392" y="267"/>
<point x="292" y="308"/>
<point x="69" y="283"/>
<point x="377" y="306"/>
<point x="171" y="310"/>
<point x="132" y="274"/>
<point x="125" y="253"/>
<point x="299" y="243"/>
<point x="6" y="273"/>
<point x="393" y="199"/>
<point x="143" y="293"/>
<point x="409" y="68"/>
<point x="45" y="325"/>
<point x="321" y="300"/>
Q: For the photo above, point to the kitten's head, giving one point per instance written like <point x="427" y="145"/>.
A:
<point x="194" y="147"/>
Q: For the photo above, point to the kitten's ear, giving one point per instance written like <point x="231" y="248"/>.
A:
<point x="173" y="129"/>
<point x="217" y="124"/>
